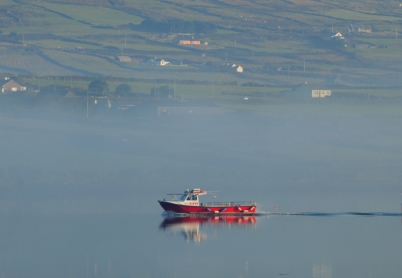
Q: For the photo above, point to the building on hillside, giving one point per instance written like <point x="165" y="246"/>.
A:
<point x="364" y="29"/>
<point x="11" y="86"/>
<point x="338" y="36"/>
<point x="124" y="59"/>
<point x="163" y="62"/>
<point x="238" y="68"/>
<point x="308" y="91"/>
<point x="154" y="62"/>
<point x="360" y="28"/>
<point x="187" y="40"/>
<point x="320" y="93"/>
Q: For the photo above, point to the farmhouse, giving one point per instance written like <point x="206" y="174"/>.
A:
<point x="308" y="91"/>
<point x="364" y="29"/>
<point x="320" y="93"/>
<point x="187" y="40"/>
<point x="11" y="86"/>
<point x="154" y="62"/>
<point x="338" y="36"/>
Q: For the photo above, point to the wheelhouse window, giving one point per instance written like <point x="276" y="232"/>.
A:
<point x="189" y="197"/>
<point x="184" y="197"/>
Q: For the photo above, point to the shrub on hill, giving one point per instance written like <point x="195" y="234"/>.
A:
<point x="123" y="89"/>
<point x="98" y="86"/>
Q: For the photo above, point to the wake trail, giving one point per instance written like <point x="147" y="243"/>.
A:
<point x="330" y="214"/>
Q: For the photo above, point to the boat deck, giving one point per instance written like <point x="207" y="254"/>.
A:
<point x="228" y="204"/>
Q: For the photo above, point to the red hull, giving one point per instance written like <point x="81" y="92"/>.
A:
<point x="171" y="207"/>
<point x="209" y="220"/>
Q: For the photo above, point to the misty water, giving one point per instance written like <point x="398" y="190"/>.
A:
<point x="78" y="197"/>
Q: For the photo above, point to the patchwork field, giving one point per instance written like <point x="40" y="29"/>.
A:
<point x="84" y="38"/>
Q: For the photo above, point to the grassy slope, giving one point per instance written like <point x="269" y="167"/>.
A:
<point x="258" y="36"/>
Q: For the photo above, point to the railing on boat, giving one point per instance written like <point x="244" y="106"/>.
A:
<point x="228" y="204"/>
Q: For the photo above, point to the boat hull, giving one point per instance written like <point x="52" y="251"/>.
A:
<point x="180" y="208"/>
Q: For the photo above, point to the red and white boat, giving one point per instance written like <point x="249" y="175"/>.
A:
<point x="189" y="203"/>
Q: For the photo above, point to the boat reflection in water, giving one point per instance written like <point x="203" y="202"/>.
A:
<point x="190" y="226"/>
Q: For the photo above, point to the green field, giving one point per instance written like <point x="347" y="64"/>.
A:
<point x="69" y="39"/>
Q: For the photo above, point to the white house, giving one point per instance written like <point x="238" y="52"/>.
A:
<point x="320" y="93"/>
<point x="163" y="62"/>
<point x="338" y="36"/>
<point x="12" y="86"/>
<point x="154" y="62"/>
<point x="308" y="91"/>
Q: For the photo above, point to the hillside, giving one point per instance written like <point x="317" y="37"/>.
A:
<point x="278" y="43"/>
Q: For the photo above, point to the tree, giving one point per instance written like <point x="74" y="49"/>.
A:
<point x="99" y="86"/>
<point x="123" y="89"/>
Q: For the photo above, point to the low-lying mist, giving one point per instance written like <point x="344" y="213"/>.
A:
<point x="306" y="157"/>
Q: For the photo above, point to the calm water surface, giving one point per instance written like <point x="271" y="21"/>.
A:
<point x="155" y="246"/>
<point x="79" y="199"/>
